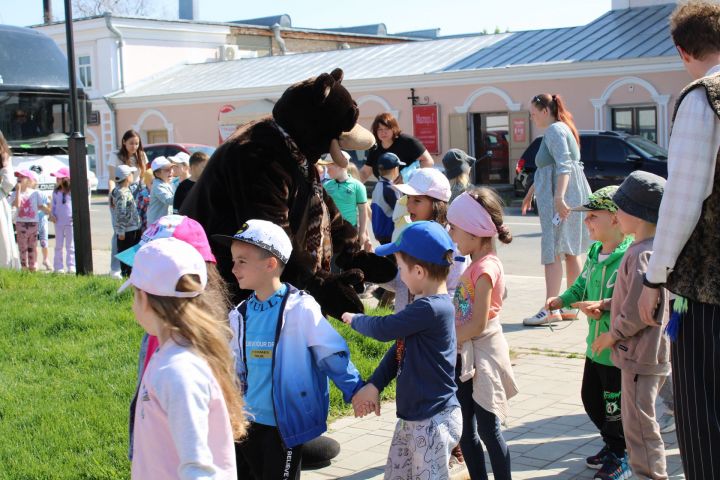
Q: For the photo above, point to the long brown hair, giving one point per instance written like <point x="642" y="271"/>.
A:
<point x="63" y="186"/>
<point x="124" y="155"/>
<point x="201" y="323"/>
<point x="493" y="204"/>
<point x="4" y="151"/>
<point x="556" y="105"/>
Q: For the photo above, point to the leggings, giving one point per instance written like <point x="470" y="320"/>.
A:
<point x="481" y="425"/>
<point x="27" y="243"/>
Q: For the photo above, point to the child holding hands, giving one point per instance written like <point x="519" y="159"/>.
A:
<point x="28" y="203"/>
<point x="422" y="359"/>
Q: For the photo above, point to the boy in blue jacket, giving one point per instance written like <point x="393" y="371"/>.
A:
<point x="285" y="350"/>
<point x="422" y="359"/>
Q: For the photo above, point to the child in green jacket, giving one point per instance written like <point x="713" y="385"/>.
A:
<point x="601" y="379"/>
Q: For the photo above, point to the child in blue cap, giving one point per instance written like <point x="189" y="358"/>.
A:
<point x="422" y="359"/>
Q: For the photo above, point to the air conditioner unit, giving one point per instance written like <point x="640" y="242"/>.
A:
<point x="233" y="52"/>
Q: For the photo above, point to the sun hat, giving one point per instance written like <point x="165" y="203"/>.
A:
<point x="424" y="240"/>
<point x="600" y="199"/>
<point x="457" y="162"/>
<point x="427" y="181"/>
<point x="24" y="172"/>
<point x="161" y="264"/>
<point x="328" y="160"/>
<point x="262" y="234"/>
<point x="388" y="161"/>
<point x="63" y="172"/>
<point x="172" y="226"/>
<point x="640" y="195"/>
<point x="160" y="163"/>
<point x="123" y="171"/>
<point x="180" y="157"/>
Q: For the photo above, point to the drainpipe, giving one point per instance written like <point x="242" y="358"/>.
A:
<point x="120" y="43"/>
<point x="278" y="38"/>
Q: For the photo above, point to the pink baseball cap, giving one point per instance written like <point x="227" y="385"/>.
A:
<point x="427" y="181"/>
<point x="64" y="172"/>
<point x="24" y="172"/>
<point x="162" y="263"/>
<point x="175" y="226"/>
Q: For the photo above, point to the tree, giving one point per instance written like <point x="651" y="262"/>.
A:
<point x="89" y="8"/>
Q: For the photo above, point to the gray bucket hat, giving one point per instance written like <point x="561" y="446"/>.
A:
<point x="640" y="195"/>
<point x="457" y="162"/>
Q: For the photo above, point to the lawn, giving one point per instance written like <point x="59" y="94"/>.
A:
<point x="68" y="365"/>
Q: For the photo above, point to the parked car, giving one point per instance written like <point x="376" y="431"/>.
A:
<point x="608" y="158"/>
<point x="170" y="149"/>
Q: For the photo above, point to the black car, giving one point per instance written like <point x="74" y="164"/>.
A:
<point x="608" y="158"/>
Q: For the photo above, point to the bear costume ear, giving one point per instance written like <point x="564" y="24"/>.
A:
<point x="323" y="85"/>
<point x="337" y="74"/>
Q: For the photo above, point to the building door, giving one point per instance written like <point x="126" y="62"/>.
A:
<point x="491" y="148"/>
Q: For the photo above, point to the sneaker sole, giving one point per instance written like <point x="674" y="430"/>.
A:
<point x="593" y="466"/>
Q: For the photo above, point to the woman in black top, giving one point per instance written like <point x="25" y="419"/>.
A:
<point x="389" y="138"/>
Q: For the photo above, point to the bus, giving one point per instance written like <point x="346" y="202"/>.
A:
<point x="35" y="103"/>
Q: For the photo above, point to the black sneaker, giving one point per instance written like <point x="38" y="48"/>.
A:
<point x="614" y="468"/>
<point x="596" y="461"/>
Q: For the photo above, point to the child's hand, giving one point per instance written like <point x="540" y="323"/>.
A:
<point x="347" y="317"/>
<point x="602" y="342"/>
<point x="53" y="218"/>
<point x="592" y="309"/>
<point x="121" y="237"/>
<point x="554" y="303"/>
<point x="366" y="400"/>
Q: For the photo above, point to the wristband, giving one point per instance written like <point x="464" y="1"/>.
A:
<point x="649" y="284"/>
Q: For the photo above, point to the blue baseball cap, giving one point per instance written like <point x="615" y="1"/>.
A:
<point x="426" y="241"/>
<point x="389" y="160"/>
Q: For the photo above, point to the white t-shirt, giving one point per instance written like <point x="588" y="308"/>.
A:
<point x="30" y="202"/>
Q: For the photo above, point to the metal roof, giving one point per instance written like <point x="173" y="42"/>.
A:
<point x="619" y="34"/>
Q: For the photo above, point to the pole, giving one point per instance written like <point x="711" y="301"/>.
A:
<point x="78" y="166"/>
<point x="47" y="11"/>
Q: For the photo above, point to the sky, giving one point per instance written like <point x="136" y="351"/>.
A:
<point x="451" y="16"/>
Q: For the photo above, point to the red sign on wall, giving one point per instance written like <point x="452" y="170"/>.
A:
<point x="425" y="127"/>
<point x="519" y="130"/>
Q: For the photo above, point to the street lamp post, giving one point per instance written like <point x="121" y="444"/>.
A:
<point x="78" y="165"/>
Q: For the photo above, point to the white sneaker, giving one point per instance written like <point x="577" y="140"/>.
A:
<point x="543" y="317"/>
<point x="71" y="270"/>
<point x="667" y="422"/>
<point x="116" y="274"/>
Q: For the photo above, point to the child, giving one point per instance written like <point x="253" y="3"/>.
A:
<point x="423" y="359"/>
<point x="458" y="165"/>
<point x="180" y="168"/>
<point x="285" y="351"/>
<point x="43" y="233"/>
<point x="349" y="195"/>
<point x="62" y="218"/>
<point x="162" y="193"/>
<point x="640" y="351"/>
<point x="142" y="196"/>
<point x="27" y="201"/>
<point x="601" y="379"/>
<point x="475" y="219"/>
<point x="189" y="408"/>
<point x="197" y="162"/>
<point x="384" y="197"/>
<point x="126" y="221"/>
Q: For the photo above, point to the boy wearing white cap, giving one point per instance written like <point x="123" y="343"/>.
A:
<point x="162" y="193"/>
<point x="285" y="350"/>
<point x="125" y="217"/>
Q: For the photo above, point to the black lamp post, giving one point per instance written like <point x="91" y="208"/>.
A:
<point x="78" y="165"/>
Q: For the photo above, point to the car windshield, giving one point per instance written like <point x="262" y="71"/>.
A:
<point x="202" y="148"/>
<point x="651" y="149"/>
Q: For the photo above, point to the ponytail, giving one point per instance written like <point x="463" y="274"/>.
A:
<point x="556" y="105"/>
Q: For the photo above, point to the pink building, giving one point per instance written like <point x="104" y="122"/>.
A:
<point x="619" y="72"/>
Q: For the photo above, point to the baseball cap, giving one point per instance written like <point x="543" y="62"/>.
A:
<point x="63" y="172"/>
<point x="262" y="234"/>
<point x="328" y="160"/>
<point x="24" y="172"/>
<point x="600" y="199"/>
<point x="180" y="157"/>
<point x="123" y="171"/>
<point x="426" y="241"/>
<point x="160" y="163"/>
<point x="162" y="263"/>
<point x="457" y="162"/>
<point x="427" y="181"/>
<point x="172" y="226"/>
<point x="389" y="160"/>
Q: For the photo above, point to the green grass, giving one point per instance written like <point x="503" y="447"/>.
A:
<point x="68" y="365"/>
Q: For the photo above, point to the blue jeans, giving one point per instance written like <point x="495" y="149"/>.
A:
<point x="479" y="424"/>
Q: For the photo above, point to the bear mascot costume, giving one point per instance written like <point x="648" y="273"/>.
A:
<point x="266" y="170"/>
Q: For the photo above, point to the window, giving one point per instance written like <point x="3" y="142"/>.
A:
<point x="636" y="121"/>
<point x="85" y="70"/>
<point x="610" y="150"/>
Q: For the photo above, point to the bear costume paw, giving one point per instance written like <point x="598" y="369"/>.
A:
<point x="336" y="293"/>
<point x="376" y="269"/>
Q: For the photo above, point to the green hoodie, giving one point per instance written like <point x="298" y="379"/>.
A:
<point x="602" y="276"/>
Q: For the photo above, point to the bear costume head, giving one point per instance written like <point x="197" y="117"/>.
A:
<point x="266" y="170"/>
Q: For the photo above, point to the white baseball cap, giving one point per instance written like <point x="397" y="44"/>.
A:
<point x="262" y="234"/>
<point x="160" y="264"/>
<point x="427" y="181"/>
<point x="123" y="171"/>
<point x="160" y="163"/>
<point x="180" y="157"/>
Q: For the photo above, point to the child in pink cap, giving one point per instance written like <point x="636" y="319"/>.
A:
<point x="61" y="216"/>
<point x="28" y="202"/>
